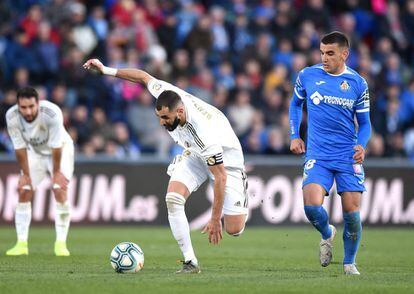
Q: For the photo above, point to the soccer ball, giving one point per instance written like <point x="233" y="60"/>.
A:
<point x="127" y="257"/>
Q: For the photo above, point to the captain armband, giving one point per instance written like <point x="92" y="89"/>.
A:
<point x="215" y="159"/>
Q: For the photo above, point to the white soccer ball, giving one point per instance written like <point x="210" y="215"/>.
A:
<point x="127" y="257"/>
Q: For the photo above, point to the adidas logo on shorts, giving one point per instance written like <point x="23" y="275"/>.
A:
<point x="237" y="204"/>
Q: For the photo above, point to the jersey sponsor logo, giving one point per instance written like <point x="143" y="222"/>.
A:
<point x="317" y="98"/>
<point x="345" y="86"/>
<point x="320" y="83"/>
<point x="37" y="141"/>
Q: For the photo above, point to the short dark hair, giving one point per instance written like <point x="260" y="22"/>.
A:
<point x="27" y="92"/>
<point x="168" y="99"/>
<point x="336" y="37"/>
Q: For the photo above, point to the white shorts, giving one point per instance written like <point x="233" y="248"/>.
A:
<point x="41" y="165"/>
<point x="192" y="171"/>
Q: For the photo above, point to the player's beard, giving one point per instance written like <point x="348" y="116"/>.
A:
<point x="29" y="118"/>
<point x="174" y="125"/>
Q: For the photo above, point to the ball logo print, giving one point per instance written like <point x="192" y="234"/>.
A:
<point x="127" y="257"/>
<point x="316" y="98"/>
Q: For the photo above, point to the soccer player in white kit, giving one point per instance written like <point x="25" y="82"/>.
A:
<point x="42" y="146"/>
<point x="212" y="151"/>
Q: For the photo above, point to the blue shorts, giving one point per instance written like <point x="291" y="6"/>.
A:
<point x="348" y="177"/>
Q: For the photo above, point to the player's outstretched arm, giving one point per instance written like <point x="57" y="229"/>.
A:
<point x="131" y="74"/>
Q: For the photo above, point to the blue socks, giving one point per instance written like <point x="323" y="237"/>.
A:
<point x="319" y="218"/>
<point x="352" y="235"/>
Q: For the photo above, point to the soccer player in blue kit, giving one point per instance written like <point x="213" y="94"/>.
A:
<point x="335" y="149"/>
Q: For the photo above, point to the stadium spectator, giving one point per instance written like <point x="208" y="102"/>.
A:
<point x="212" y="49"/>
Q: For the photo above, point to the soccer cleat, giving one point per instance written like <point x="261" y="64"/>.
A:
<point x="325" y="248"/>
<point x="350" y="269"/>
<point x="20" y="248"/>
<point x="61" y="249"/>
<point x="189" y="267"/>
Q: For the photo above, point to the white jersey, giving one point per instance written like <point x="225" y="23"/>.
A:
<point x="207" y="132"/>
<point x="42" y="134"/>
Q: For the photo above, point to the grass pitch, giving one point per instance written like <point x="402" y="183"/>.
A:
<point x="262" y="260"/>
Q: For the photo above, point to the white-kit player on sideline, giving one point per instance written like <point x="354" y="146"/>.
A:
<point x="212" y="151"/>
<point x="42" y="146"/>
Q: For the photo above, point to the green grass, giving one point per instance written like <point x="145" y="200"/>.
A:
<point x="263" y="260"/>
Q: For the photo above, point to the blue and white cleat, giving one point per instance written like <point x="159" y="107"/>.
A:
<point x="326" y="248"/>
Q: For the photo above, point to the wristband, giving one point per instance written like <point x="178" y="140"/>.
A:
<point x="109" y="71"/>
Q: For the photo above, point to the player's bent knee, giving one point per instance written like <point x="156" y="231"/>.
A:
<point x="174" y="201"/>
<point x="235" y="231"/>
<point x="60" y="195"/>
<point x="25" y="195"/>
<point x="238" y="233"/>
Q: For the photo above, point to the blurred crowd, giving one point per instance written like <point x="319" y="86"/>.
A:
<point x="241" y="56"/>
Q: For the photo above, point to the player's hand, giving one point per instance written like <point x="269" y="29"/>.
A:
<point x="25" y="183"/>
<point x="213" y="228"/>
<point x="297" y="146"/>
<point x="359" y="154"/>
<point x="60" y="181"/>
<point x="94" y="65"/>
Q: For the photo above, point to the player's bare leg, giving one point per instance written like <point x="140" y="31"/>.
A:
<point x="62" y="221"/>
<point x="23" y="217"/>
<point x="177" y="194"/>
<point x="313" y="196"/>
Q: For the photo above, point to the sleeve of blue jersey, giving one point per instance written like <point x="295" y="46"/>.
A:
<point x="364" y="128"/>
<point x="295" y="116"/>
<point x="295" y="108"/>
<point x="362" y="114"/>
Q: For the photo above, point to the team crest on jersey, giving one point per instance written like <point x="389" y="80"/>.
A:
<point x="345" y="86"/>
<point x="186" y="144"/>
<point x="42" y="128"/>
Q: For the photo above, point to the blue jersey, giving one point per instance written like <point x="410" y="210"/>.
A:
<point x="333" y="102"/>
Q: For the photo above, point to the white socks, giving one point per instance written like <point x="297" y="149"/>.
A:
<point x="62" y="221"/>
<point x="179" y="225"/>
<point x="22" y="219"/>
